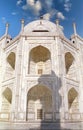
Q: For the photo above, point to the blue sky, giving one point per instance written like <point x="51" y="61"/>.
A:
<point x="67" y="11"/>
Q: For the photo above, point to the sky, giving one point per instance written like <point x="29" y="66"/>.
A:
<point x="67" y="11"/>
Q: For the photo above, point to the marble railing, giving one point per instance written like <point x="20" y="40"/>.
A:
<point x="74" y="116"/>
<point x="4" y="116"/>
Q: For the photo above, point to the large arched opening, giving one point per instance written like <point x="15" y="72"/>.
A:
<point x="40" y="61"/>
<point x="39" y="103"/>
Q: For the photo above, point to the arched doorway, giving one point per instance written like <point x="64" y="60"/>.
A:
<point x="39" y="103"/>
<point x="39" y="61"/>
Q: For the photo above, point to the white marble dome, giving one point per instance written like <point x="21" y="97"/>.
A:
<point x="42" y="26"/>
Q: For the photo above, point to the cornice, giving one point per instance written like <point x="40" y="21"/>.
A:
<point x="68" y="42"/>
<point x="77" y="36"/>
<point x="62" y="37"/>
<point x="13" y="41"/>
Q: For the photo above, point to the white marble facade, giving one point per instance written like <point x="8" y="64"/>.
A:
<point x="41" y="74"/>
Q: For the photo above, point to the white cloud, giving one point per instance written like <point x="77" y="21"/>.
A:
<point x="14" y="13"/>
<point x="67" y="5"/>
<point x="19" y="2"/>
<point x="54" y="12"/>
<point x="60" y="15"/>
<point x="34" y="5"/>
<point x="30" y="2"/>
<point x="67" y="1"/>
<point x="38" y="5"/>
<point x="47" y="16"/>
<point x="4" y="20"/>
<point x="49" y="3"/>
<point x="24" y="7"/>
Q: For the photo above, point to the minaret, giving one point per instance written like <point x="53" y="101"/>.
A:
<point x="22" y="25"/>
<point x="74" y="28"/>
<point x="7" y="27"/>
<point x="5" y="35"/>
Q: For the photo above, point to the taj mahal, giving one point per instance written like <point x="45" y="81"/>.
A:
<point x="41" y="74"/>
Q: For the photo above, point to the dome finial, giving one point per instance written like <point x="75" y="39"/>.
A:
<point x="41" y="18"/>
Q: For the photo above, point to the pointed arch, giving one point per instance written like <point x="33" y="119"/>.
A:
<point x="39" y="103"/>
<point x="11" y="59"/>
<point x="40" y="53"/>
<point x="10" y="65"/>
<point x="6" y="104"/>
<point x="73" y="100"/>
<point x="7" y="93"/>
<point x="69" y="59"/>
<point x="39" y="60"/>
<point x="70" y="65"/>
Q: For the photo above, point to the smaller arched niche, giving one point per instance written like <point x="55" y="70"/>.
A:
<point x="6" y="103"/>
<point x="73" y="101"/>
<point x="10" y="65"/>
<point x="40" y="61"/>
<point x="70" y="66"/>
